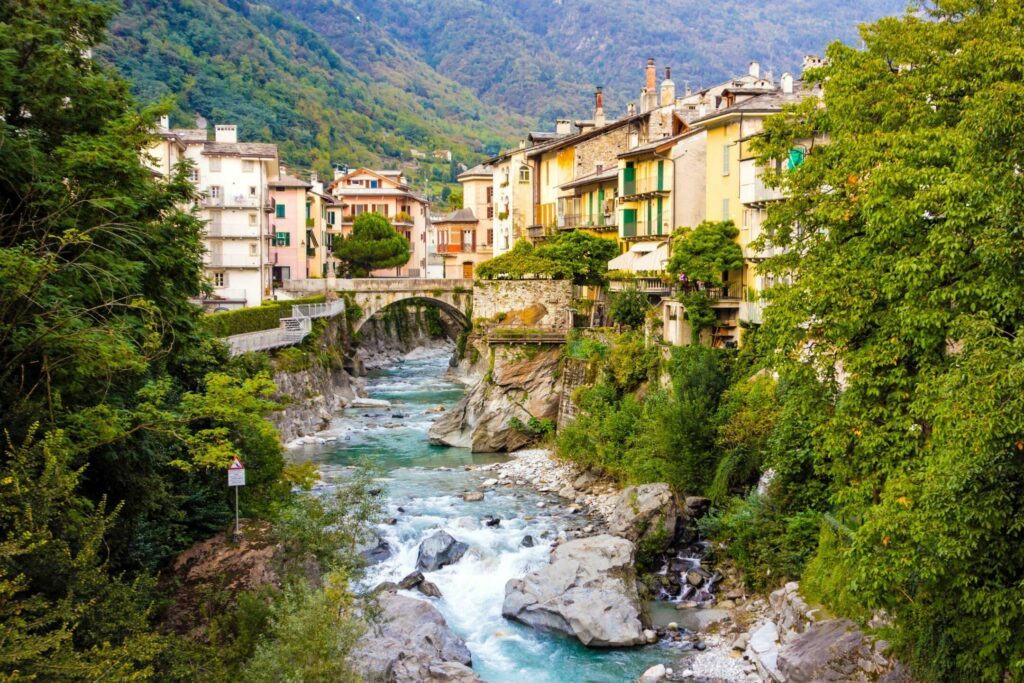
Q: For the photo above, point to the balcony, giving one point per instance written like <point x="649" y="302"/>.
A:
<point x="647" y="285"/>
<point x="537" y="233"/>
<point x="643" y="188"/>
<point x="231" y="261"/>
<point x="455" y="249"/>
<point x="220" y="231"/>
<point x="753" y="191"/>
<point x="235" y="202"/>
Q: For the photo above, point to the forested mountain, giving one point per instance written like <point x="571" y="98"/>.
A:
<point x="240" y="62"/>
<point x="365" y="81"/>
<point x="543" y="58"/>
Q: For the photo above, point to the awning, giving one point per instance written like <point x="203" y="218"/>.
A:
<point x="642" y="256"/>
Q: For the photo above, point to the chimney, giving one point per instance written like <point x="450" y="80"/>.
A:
<point x="787" y="83"/>
<point x="599" y="170"/>
<point x="338" y="172"/>
<point x="522" y="143"/>
<point x="165" y="122"/>
<point x="651" y="77"/>
<point x="668" y="89"/>
<point x="225" y="133"/>
<point x="755" y="70"/>
<point x="631" y="109"/>
<point x="688" y="91"/>
<point x="563" y="126"/>
<point x="599" y="118"/>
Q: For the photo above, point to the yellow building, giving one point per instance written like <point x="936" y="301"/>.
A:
<point x="588" y="204"/>
<point x="645" y="193"/>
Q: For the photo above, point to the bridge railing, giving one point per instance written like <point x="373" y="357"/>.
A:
<point x="375" y="284"/>
<point x="324" y="310"/>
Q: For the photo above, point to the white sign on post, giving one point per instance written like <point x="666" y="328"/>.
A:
<point x="236" y="473"/>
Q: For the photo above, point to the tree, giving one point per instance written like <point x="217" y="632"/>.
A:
<point x="574" y="255"/>
<point x="455" y="199"/>
<point x="629" y="307"/>
<point x="373" y="244"/>
<point x="905" y="299"/>
<point x="699" y="259"/>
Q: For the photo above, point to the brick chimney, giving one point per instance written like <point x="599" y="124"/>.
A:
<point x="599" y="118"/>
<point x="651" y="77"/>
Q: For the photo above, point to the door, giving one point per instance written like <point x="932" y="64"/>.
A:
<point x="629" y="179"/>
<point x="467" y="271"/>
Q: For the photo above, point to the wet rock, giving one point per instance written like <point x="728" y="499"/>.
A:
<point x="645" y="514"/>
<point x="694" y="578"/>
<point x="429" y="589"/>
<point x="567" y="491"/>
<point x="656" y="673"/>
<point x="473" y="496"/>
<point x="492" y="521"/>
<point x="376" y="551"/>
<point x="527" y="541"/>
<point x="488" y="483"/>
<point x="398" y="416"/>
<point x="391" y="521"/>
<point x="439" y="550"/>
<point x="587" y="591"/>
<point x="411" y="643"/>
<point x="650" y="636"/>
<point x="826" y="651"/>
<point x="584" y="481"/>
<point x="411" y="581"/>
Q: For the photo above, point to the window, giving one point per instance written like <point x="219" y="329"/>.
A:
<point x="524" y="174"/>
<point x="248" y="166"/>
<point x="280" y="210"/>
<point x="490" y="195"/>
<point x="358" y="209"/>
<point x="490" y="211"/>
<point x="490" y="236"/>
<point x="215" y="192"/>
<point x="220" y="279"/>
<point x="193" y="174"/>
<point x="282" y="239"/>
<point x="331" y="220"/>
<point x="373" y="184"/>
<point x="382" y="209"/>
<point x="253" y="250"/>
<point x="252" y="219"/>
<point x="725" y="159"/>
<point x="309" y="213"/>
<point x="215" y="163"/>
<point x="725" y="210"/>
<point x="252" y="190"/>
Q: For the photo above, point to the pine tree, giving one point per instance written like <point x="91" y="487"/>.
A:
<point x="373" y="244"/>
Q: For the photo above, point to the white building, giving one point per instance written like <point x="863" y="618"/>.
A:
<point x="232" y="178"/>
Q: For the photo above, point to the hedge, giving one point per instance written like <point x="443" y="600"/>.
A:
<point x="264" y="317"/>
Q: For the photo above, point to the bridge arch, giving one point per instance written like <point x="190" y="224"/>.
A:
<point x="376" y="305"/>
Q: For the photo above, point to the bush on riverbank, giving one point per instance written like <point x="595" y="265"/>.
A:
<point x="266" y="316"/>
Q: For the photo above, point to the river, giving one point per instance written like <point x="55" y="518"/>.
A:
<point x="423" y="484"/>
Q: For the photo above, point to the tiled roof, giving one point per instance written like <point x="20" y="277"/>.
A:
<point x="457" y="216"/>
<point x="288" y="181"/>
<point x="479" y="169"/>
<point x="607" y="174"/>
<point x="266" y="150"/>
<point x="190" y="134"/>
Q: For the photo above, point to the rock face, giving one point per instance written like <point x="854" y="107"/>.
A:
<point x="587" y="591"/>
<point x="522" y="383"/>
<point x="411" y="643"/>
<point x="397" y="330"/>
<point x="646" y="515"/>
<point x="439" y="550"/>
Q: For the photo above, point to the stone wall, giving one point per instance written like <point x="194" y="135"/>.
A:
<point x="601" y="149"/>
<point x="530" y="303"/>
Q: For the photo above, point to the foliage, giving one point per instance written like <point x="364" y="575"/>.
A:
<point x="703" y="253"/>
<point x="746" y="420"/>
<point x="537" y="427"/>
<point x="586" y="349"/>
<point x="228" y="61"/>
<point x="570" y="255"/>
<point x="906" y="302"/>
<point x="373" y="244"/>
<point x="254" y="319"/>
<point x="629" y="307"/>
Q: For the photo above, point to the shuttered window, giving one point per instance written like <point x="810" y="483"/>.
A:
<point x="725" y="160"/>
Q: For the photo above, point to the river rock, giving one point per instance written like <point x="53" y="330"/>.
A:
<point x="645" y="515"/>
<point x="482" y="419"/>
<point x="827" y="651"/>
<point x="473" y="496"/>
<point x="410" y="643"/>
<point x="658" y="672"/>
<point x="587" y="591"/>
<point x="585" y="481"/>
<point x="488" y="483"/>
<point x="439" y="550"/>
<point x="411" y="581"/>
<point x="376" y="551"/>
<point x="429" y="589"/>
<point x="527" y="541"/>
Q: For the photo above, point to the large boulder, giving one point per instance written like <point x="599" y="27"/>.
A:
<point x="439" y="550"/>
<point x="827" y="651"/>
<point x="587" y="591"/>
<point x="646" y="515"/>
<point x="409" y="643"/>
<point x="376" y="550"/>
<point x="518" y="385"/>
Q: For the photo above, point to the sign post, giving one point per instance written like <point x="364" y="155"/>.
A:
<point x="236" y="478"/>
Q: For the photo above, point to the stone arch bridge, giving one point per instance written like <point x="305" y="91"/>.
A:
<point x="371" y="295"/>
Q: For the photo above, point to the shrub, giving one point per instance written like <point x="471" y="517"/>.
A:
<point x="254" y="319"/>
<point x="629" y="307"/>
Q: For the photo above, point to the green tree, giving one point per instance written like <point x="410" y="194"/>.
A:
<point x="700" y="258"/>
<point x="629" y="307"/>
<point x="455" y="199"/>
<point x="905" y="299"/>
<point x="585" y="255"/>
<point x="373" y="244"/>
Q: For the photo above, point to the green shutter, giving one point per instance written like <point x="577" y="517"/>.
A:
<point x="661" y="175"/>
<point x="796" y="157"/>
<point x="280" y="210"/>
<point x="629" y="222"/>
<point x="600" y="206"/>
<point x="659" y="213"/>
<point x="726" y="216"/>
<point x="648" y="219"/>
<point x="629" y="179"/>
<point x="590" y="208"/>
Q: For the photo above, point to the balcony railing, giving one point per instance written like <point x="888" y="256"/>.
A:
<point x="251" y="232"/>
<point x="644" y="186"/>
<point x="231" y="261"/>
<point x="235" y="202"/>
<point x="455" y="249"/>
<point x="649" y="285"/>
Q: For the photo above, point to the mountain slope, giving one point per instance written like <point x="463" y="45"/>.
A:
<point x="543" y="57"/>
<point x="241" y="62"/>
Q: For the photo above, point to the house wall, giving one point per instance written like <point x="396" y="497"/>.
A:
<point x="292" y="225"/>
<point x="689" y="186"/>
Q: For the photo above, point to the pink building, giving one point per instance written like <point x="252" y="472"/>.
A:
<point x="386" y="193"/>
<point x="291" y="228"/>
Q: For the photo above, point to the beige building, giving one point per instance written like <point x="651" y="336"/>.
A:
<point x="231" y="178"/>
<point x="465" y="237"/>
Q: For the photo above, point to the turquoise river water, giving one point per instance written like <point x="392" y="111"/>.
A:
<point x="425" y="481"/>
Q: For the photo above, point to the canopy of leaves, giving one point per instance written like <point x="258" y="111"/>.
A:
<point x="703" y="253"/>
<point x="904" y="244"/>
<point x="570" y="255"/>
<point x="373" y="244"/>
<point x="629" y="307"/>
